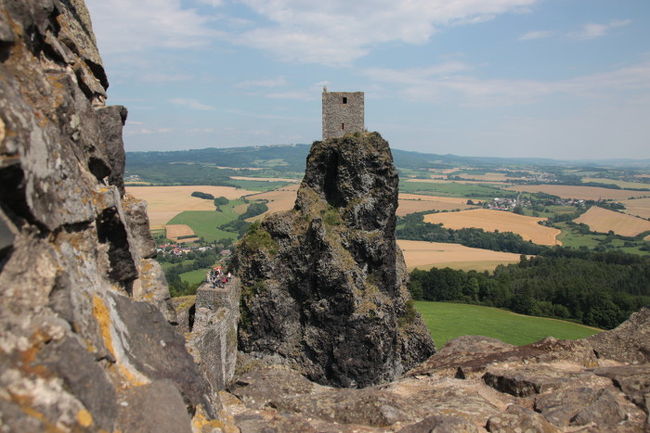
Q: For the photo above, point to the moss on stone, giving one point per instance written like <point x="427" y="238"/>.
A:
<point x="331" y="216"/>
<point x="258" y="238"/>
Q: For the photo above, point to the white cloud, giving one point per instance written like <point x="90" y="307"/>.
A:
<point x="213" y="3"/>
<point x="124" y="26"/>
<point x="440" y="83"/>
<point x="593" y="31"/>
<point x="337" y="32"/>
<point x="538" y="34"/>
<point x="271" y="82"/>
<point x="191" y="103"/>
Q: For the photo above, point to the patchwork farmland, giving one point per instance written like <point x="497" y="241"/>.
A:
<point x="492" y="220"/>
<point x="425" y="255"/>
<point x="165" y="202"/>
<point x="604" y="220"/>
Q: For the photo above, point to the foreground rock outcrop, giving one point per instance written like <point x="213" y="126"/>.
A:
<point x="474" y="384"/>
<point x="85" y="338"/>
<point x="324" y="285"/>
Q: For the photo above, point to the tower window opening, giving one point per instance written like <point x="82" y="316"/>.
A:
<point x="342" y="126"/>
<point x="345" y="100"/>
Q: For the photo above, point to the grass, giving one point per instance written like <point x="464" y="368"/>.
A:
<point x="550" y="211"/>
<point x="446" y="321"/>
<point x="196" y="276"/>
<point x="574" y="239"/>
<point x="205" y="223"/>
<point x="451" y="189"/>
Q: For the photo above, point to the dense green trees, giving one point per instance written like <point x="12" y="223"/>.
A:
<point x="597" y="289"/>
<point x="413" y="227"/>
<point x="203" y="195"/>
<point x="254" y="209"/>
<point x="240" y="225"/>
<point x="220" y="201"/>
<point x="175" y="265"/>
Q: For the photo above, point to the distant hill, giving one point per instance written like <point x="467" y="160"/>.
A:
<point x="282" y="157"/>
<point x="291" y="158"/>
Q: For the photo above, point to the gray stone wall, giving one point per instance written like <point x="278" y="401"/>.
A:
<point x="343" y="113"/>
<point x="213" y="338"/>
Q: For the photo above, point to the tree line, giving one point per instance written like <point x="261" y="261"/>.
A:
<point x="596" y="289"/>
<point x="240" y="225"/>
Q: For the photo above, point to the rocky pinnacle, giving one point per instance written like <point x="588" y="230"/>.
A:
<point x="324" y="285"/>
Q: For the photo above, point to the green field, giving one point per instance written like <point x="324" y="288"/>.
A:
<point x="194" y="277"/>
<point x="571" y="237"/>
<point x="205" y="222"/>
<point x="446" y="321"/>
<point x="451" y="189"/>
<point x="550" y="211"/>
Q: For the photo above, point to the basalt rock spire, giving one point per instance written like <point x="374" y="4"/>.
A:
<point x="324" y="285"/>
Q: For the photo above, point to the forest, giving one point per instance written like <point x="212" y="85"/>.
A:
<point x="596" y="289"/>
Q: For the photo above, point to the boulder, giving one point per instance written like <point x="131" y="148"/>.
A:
<point x="629" y="342"/>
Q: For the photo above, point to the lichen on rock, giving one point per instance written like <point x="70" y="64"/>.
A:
<point x="85" y="338"/>
<point x="324" y="285"/>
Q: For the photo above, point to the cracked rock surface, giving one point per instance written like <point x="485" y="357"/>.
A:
<point x="85" y="338"/>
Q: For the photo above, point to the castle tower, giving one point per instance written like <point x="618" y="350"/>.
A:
<point x="343" y="113"/>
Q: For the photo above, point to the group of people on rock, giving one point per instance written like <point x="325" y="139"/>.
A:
<point x="217" y="277"/>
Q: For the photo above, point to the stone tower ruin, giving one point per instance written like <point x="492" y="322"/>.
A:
<point x="343" y="113"/>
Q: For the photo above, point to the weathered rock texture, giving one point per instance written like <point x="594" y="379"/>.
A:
<point x="213" y="334"/>
<point x="324" y="285"/>
<point x="473" y="384"/>
<point x="629" y="342"/>
<point x="85" y="339"/>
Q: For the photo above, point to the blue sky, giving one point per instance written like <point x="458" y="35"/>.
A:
<point x="514" y="78"/>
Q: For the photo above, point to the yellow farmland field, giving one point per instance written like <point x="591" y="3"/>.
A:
<point x="492" y="220"/>
<point x="621" y="183"/>
<point x="444" y="180"/>
<point x="638" y="207"/>
<point x="424" y="255"/>
<point x="410" y="203"/>
<point x="603" y="220"/>
<point x="581" y="192"/>
<point x="174" y="231"/>
<point x="265" y="179"/>
<point x="278" y="200"/>
<point x="283" y="199"/>
<point x="165" y="202"/>
<point x="452" y="200"/>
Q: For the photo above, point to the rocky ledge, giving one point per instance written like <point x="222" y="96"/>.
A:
<point x="324" y="285"/>
<point x="472" y="385"/>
